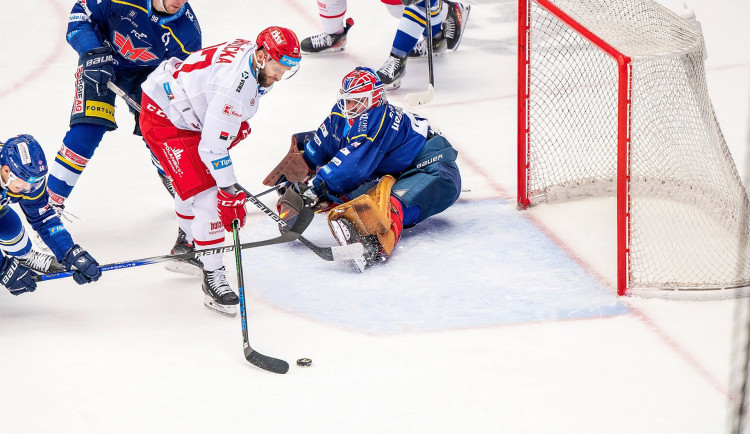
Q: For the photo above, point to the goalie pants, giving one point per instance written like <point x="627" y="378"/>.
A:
<point x="196" y="204"/>
<point x="430" y="186"/>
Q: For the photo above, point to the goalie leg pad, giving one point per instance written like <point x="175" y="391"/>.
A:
<point x="371" y="214"/>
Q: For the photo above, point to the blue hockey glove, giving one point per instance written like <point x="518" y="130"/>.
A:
<point x="16" y="277"/>
<point x="85" y="266"/>
<point x="98" y="68"/>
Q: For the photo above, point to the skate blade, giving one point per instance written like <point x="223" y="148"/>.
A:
<point x="183" y="268"/>
<point x="211" y="304"/>
<point x="326" y="51"/>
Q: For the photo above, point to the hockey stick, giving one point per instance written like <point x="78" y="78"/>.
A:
<point x="303" y="220"/>
<point x="268" y="363"/>
<point x="335" y="253"/>
<point x="426" y="96"/>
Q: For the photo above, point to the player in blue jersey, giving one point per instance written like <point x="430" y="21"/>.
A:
<point x="23" y="170"/>
<point x="121" y="41"/>
<point x="390" y="169"/>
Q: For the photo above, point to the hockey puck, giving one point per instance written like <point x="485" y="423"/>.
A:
<point x="304" y="362"/>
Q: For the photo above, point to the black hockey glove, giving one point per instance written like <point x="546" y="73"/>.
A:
<point x="85" y="266"/>
<point x="98" y="68"/>
<point x="16" y="277"/>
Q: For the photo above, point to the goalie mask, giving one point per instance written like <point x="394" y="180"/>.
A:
<point x="25" y="158"/>
<point x="280" y="44"/>
<point x="360" y="91"/>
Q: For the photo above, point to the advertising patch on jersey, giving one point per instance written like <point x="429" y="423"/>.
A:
<point x="317" y="139"/>
<point x="78" y="101"/>
<point x="127" y="50"/>
<point x="323" y="130"/>
<point x="100" y="110"/>
<point x="336" y="161"/>
<point x="356" y="144"/>
<point x="224" y="135"/>
<point x="222" y="163"/>
<point x="309" y="149"/>
<point x="56" y="229"/>
<point x="326" y="169"/>
<point x="168" y="91"/>
<point x="229" y="111"/>
<point x="345" y="151"/>
<point x="362" y="120"/>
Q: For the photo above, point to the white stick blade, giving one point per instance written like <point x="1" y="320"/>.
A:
<point x="347" y="252"/>
<point x="421" y="97"/>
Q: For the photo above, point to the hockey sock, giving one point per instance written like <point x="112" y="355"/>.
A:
<point x="13" y="238"/>
<point x="412" y="26"/>
<point x="78" y="147"/>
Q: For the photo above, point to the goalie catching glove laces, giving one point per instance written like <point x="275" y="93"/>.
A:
<point x="387" y="166"/>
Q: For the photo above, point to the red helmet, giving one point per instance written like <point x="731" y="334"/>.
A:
<point x="363" y="87"/>
<point x="281" y="45"/>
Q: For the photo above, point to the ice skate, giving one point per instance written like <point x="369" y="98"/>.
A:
<point x="345" y="233"/>
<point x="392" y="71"/>
<point x="167" y="183"/>
<point x="41" y="262"/>
<point x="325" y="42"/>
<point x="439" y="47"/>
<point x="219" y="295"/>
<point x="455" y="23"/>
<point x="190" y="266"/>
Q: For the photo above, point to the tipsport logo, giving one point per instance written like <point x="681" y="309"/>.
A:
<point x="222" y="163"/>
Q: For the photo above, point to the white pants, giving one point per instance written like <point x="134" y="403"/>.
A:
<point x="198" y="217"/>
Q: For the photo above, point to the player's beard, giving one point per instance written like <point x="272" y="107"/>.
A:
<point x="263" y="79"/>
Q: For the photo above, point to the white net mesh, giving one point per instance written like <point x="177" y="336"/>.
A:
<point x="688" y="208"/>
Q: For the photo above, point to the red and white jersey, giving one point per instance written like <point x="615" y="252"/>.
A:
<point x="212" y="91"/>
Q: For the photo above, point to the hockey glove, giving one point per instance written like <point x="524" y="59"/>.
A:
<point x="231" y="207"/>
<point x="84" y="266"/>
<point x="98" y="68"/>
<point x="311" y="191"/>
<point x="16" y="277"/>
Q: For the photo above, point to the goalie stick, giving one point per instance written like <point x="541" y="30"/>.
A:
<point x="303" y="220"/>
<point x="426" y="96"/>
<point x="346" y="252"/>
<point x="335" y="253"/>
<point x="262" y="361"/>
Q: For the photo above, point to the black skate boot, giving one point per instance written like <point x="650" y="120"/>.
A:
<point x="41" y="263"/>
<point x="439" y="47"/>
<point x="325" y="42"/>
<point x="219" y="295"/>
<point x="392" y="71"/>
<point x="345" y="233"/>
<point x="455" y="23"/>
<point x="167" y="183"/>
<point x="191" y="266"/>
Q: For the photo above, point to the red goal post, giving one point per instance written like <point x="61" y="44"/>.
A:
<point x="612" y="99"/>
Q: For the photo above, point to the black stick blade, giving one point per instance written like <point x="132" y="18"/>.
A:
<point x="268" y="363"/>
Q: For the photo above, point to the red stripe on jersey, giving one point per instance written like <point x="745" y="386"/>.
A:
<point x="336" y="16"/>
<point x="185" y="217"/>
<point x="209" y="242"/>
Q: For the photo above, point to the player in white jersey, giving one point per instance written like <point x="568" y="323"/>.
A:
<point x="193" y="112"/>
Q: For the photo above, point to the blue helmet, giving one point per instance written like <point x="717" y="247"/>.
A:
<point x="25" y="158"/>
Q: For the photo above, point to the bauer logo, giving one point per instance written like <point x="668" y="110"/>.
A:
<point x="222" y="162"/>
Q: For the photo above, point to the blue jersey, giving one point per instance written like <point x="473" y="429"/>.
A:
<point x="385" y="140"/>
<point x="138" y="36"/>
<point x="42" y="217"/>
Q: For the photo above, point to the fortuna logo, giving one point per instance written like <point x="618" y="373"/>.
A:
<point x="127" y="50"/>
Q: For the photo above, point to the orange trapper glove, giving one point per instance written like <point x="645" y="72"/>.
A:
<point x="231" y="207"/>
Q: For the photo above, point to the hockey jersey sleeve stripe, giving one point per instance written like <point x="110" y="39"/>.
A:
<point x="131" y="5"/>
<point x="69" y="163"/>
<point x="176" y="39"/>
<point x="15" y="240"/>
<point x="419" y="18"/>
<point x="372" y="139"/>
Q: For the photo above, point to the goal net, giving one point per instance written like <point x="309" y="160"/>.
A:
<point x="613" y="101"/>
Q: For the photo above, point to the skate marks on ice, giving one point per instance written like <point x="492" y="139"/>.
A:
<point x="480" y="263"/>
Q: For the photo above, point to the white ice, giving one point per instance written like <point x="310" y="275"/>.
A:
<point x="485" y="320"/>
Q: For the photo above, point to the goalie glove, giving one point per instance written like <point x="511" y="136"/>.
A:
<point x="293" y="167"/>
<point x="98" y="68"/>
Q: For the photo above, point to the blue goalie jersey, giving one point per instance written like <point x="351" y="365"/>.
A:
<point x="138" y="36"/>
<point x="383" y="141"/>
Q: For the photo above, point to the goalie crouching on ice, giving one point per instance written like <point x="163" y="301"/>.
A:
<point x="377" y="167"/>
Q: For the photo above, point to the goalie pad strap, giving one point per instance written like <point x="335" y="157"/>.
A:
<point x="370" y="213"/>
<point x="293" y="166"/>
